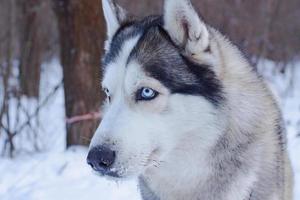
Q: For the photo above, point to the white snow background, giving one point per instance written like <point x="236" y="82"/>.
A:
<point x="64" y="175"/>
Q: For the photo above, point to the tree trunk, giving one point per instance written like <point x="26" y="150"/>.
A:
<point x="31" y="49"/>
<point x="82" y="32"/>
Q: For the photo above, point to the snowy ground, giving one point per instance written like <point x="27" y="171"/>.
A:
<point x="60" y="176"/>
<point x="64" y="175"/>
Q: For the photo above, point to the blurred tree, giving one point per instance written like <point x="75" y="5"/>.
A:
<point x="82" y="32"/>
<point x="28" y="37"/>
<point x="30" y="46"/>
<point x="5" y="75"/>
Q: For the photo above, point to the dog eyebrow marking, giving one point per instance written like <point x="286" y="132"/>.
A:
<point x="124" y="34"/>
<point x="128" y="31"/>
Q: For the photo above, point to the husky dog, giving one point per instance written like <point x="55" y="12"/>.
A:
<point x="186" y="113"/>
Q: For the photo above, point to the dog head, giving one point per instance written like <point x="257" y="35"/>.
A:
<point x="162" y="86"/>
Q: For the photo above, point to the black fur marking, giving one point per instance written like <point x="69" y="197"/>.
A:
<point x="128" y="30"/>
<point x="204" y="84"/>
<point x="125" y="32"/>
<point x="281" y="134"/>
<point x="207" y="50"/>
<point x="250" y="195"/>
<point x="207" y="83"/>
<point x="163" y="60"/>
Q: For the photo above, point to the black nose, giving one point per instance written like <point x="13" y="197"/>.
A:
<point x="101" y="158"/>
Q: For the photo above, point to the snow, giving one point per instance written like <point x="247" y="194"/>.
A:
<point x="54" y="173"/>
<point x="59" y="176"/>
<point x="50" y="136"/>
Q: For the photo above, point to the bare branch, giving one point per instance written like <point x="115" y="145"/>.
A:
<point x="41" y="105"/>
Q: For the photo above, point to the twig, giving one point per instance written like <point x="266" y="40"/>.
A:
<point x="29" y="124"/>
<point x="42" y="104"/>
<point x="85" y="117"/>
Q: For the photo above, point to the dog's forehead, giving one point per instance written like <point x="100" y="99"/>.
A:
<point x="149" y="47"/>
<point x="121" y="48"/>
<point x="127" y="31"/>
<point x="115" y="70"/>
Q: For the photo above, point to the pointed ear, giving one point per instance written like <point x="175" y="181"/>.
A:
<point x="114" y="16"/>
<point x="185" y="27"/>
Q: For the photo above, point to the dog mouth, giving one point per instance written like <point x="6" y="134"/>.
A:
<point x="110" y="173"/>
<point x="121" y="172"/>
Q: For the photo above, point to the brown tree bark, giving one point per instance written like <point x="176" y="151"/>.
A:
<point x="31" y="48"/>
<point x="82" y="32"/>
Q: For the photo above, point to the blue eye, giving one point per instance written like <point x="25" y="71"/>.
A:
<point x="146" y="94"/>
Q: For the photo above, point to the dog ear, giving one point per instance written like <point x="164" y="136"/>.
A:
<point x="185" y="27"/>
<point x="114" y="16"/>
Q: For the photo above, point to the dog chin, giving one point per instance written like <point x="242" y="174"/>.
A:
<point x="118" y="174"/>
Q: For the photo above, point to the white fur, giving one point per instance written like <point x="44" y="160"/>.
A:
<point x="116" y="70"/>
<point x="237" y="192"/>
<point x="113" y="77"/>
<point x="180" y="17"/>
<point x="110" y="17"/>
<point x="159" y="126"/>
<point x="136" y="126"/>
